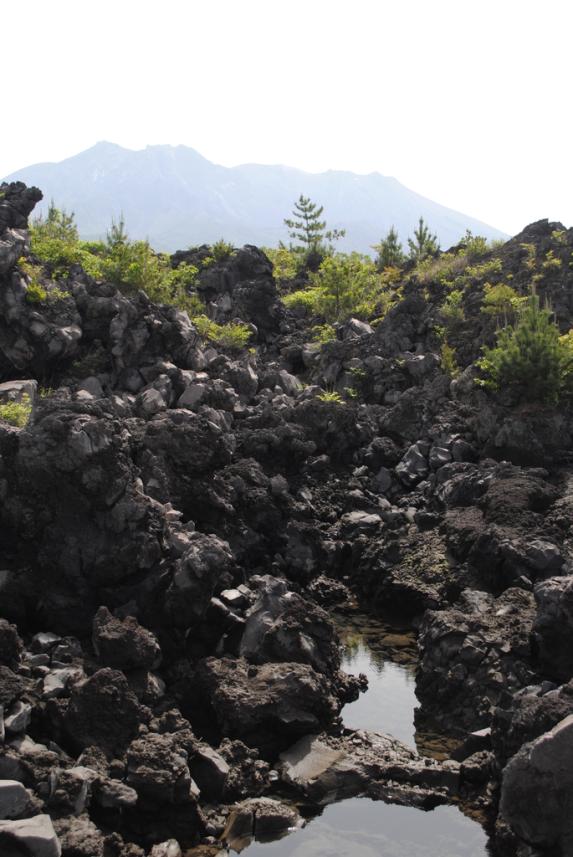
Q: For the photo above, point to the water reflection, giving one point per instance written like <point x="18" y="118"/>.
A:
<point x="363" y="828"/>
<point x="388" y="704"/>
<point x="387" y="656"/>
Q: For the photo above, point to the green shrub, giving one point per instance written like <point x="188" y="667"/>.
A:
<point x="551" y="262"/>
<point x="390" y="253"/>
<point x="16" y="413"/>
<point x="323" y="333"/>
<point x="307" y="299"/>
<point x="221" y="250"/>
<point x="448" y="360"/>
<point x="55" y="241"/>
<point x="475" y="246"/>
<point x="529" y="256"/>
<point x="233" y="335"/>
<point x="501" y="301"/>
<point x="559" y="236"/>
<point x="423" y="243"/>
<point x="330" y="396"/>
<point x="347" y="285"/>
<point x="287" y="263"/>
<point x="530" y="359"/>
<point x="452" y="309"/>
<point x="443" y="269"/>
<point x="35" y="293"/>
<point x="488" y="269"/>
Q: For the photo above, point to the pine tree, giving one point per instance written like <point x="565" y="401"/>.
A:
<point x="308" y="228"/>
<point x="390" y="252"/>
<point x="117" y="233"/>
<point x="423" y="243"/>
<point x="530" y="359"/>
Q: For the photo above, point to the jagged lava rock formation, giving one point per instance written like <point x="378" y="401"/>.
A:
<point x="177" y="521"/>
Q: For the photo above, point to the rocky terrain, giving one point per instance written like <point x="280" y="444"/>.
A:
<point x="178" y="520"/>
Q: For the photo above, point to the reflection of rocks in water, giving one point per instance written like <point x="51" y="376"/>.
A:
<point x="435" y="744"/>
<point x="388" y="656"/>
<point x="363" y="828"/>
<point x="260" y="820"/>
<point x="384" y="642"/>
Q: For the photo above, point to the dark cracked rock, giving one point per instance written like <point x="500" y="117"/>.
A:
<point x="282" y="626"/>
<point x="553" y="627"/>
<point x="103" y="711"/>
<point x="474" y="656"/>
<point x="537" y="790"/>
<point x="533" y="711"/>
<point x="122" y="643"/>
<point x="266" y="706"/>
<point x="157" y="769"/>
<point x="327" y="769"/>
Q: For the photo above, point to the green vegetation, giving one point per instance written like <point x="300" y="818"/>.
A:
<point x="491" y="268"/>
<point x="457" y="269"/>
<point x="346" y="285"/>
<point x="530" y="256"/>
<point x="287" y="263"/>
<point x="323" y="333"/>
<point x="390" y="251"/>
<point x="452" y="309"/>
<point x="551" y="262"/>
<point x="330" y="396"/>
<point x="530" y="359"/>
<point x="55" y="241"/>
<point x="130" y="266"/>
<point x="35" y="293"/>
<point x="222" y="250"/>
<point x="501" y="301"/>
<point x="448" y="360"/>
<point x="233" y="335"/>
<point x="16" y="413"/>
<point x="133" y="265"/>
<point x="308" y="229"/>
<point x="423" y="243"/>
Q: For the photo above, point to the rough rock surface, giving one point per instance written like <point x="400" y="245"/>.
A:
<point x="103" y="711"/>
<point x="124" y="644"/>
<point x="328" y="769"/>
<point x="179" y="518"/>
<point x="537" y="790"/>
<point x="474" y="656"/>
<point x="553" y="628"/>
<point x="267" y="706"/>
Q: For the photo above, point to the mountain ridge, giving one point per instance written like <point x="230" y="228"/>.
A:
<point x="175" y="197"/>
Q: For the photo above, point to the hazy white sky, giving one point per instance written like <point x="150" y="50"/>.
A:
<point x="468" y="102"/>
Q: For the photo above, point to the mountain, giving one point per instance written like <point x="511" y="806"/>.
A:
<point x="176" y="198"/>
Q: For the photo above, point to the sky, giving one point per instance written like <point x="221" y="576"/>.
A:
<point x="468" y="103"/>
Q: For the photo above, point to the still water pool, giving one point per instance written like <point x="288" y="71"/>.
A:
<point x="365" y="828"/>
<point x="388" y="659"/>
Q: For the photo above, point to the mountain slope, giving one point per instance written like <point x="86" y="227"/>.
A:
<point x="175" y="197"/>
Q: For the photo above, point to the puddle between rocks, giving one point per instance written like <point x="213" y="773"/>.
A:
<point x="388" y="657"/>
<point x="365" y="828"/>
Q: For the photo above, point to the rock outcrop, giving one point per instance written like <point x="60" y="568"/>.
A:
<point x="179" y="519"/>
